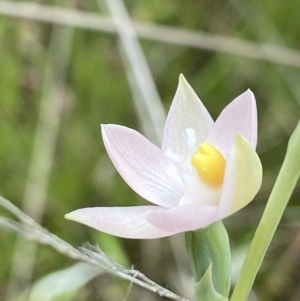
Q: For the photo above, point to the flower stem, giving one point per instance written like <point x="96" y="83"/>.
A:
<point x="280" y="195"/>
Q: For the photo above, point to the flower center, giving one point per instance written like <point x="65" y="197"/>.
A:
<point x="210" y="164"/>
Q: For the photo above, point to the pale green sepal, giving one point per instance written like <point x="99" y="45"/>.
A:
<point x="210" y="246"/>
<point x="205" y="290"/>
<point x="285" y="184"/>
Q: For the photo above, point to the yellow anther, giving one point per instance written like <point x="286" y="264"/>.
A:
<point x="210" y="164"/>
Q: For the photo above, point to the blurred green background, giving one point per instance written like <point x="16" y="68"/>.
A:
<point x="58" y="83"/>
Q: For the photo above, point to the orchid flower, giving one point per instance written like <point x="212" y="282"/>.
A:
<point x="204" y="171"/>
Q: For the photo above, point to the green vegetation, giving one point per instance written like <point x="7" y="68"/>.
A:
<point x="96" y="90"/>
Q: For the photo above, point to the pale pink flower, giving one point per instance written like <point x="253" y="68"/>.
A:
<point x="187" y="193"/>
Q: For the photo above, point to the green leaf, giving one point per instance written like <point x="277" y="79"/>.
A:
<point x="205" y="290"/>
<point x="286" y="182"/>
<point x="63" y="284"/>
<point x="210" y="246"/>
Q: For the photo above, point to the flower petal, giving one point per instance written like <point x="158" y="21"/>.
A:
<point x="128" y="222"/>
<point x="240" y="116"/>
<point x="197" y="191"/>
<point x="184" y="217"/>
<point x="243" y="177"/>
<point x="143" y="165"/>
<point x="188" y="123"/>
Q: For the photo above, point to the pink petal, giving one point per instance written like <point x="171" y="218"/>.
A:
<point x="183" y="218"/>
<point x="240" y="116"/>
<point x="128" y="222"/>
<point x="243" y="177"/>
<point x="143" y="165"/>
<point x="188" y="123"/>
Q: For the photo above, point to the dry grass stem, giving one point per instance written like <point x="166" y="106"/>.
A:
<point x="164" y="34"/>
<point x="89" y="254"/>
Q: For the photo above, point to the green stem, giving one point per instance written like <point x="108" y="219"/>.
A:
<point x="280" y="195"/>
